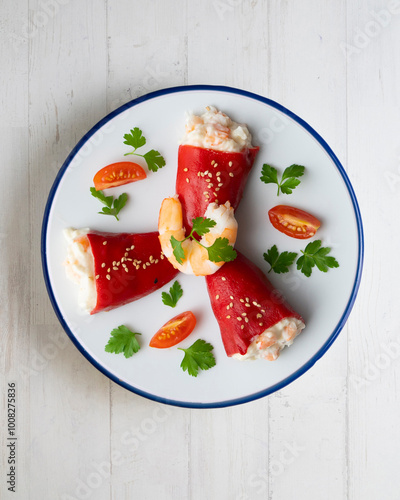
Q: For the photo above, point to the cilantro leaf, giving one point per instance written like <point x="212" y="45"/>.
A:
<point x="289" y="180"/>
<point x="106" y="200"/>
<point x="154" y="160"/>
<point x="197" y="356"/>
<point x="315" y="255"/>
<point x="177" y="249"/>
<point x="221" y="251"/>
<point x="123" y="340"/>
<point x="279" y="263"/>
<point x="113" y="207"/>
<point x="269" y="174"/>
<point x="175" y="293"/>
<point x="202" y="226"/>
<point x="135" y="139"/>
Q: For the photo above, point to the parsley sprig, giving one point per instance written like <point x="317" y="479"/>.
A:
<point x="313" y="255"/>
<point x="175" y="293"/>
<point x="279" y="262"/>
<point x="136" y="140"/>
<point x="219" y="251"/>
<point x="113" y="205"/>
<point x="197" y="357"/>
<point x="123" y="340"/>
<point x="289" y="179"/>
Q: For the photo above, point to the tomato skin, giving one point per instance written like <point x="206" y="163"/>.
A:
<point x="118" y="174"/>
<point x="293" y="222"/>
<point x="177" y="328"/>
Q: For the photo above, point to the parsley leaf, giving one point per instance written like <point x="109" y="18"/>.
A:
<point x="197" y="356"/>
<point x="136" y="140"/>
<point x="289" y="180"/>
<point x="154" y="160"/>
<point x="109" y="201"/>
<point x="202" y="226"/>
<point x="219" y="251"/>
<point x="123" y="340"/>
<point x="279" y="263"/>
<point x="175" y="293"/>
<point x="315" y="255"/>
<point x="177" y="249"/>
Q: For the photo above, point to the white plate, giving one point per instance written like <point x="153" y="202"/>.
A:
<point x="324" y="300"/>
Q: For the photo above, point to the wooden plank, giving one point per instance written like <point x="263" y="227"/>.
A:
<point x="374" y="151"/>
<point x="308" y="418"/>
<point x="69" y="399"/>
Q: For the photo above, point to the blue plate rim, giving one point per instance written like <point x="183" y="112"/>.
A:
<point x="288" y="380"/>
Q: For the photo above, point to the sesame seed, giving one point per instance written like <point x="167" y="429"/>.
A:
<point x="130" y="260"/>
<point x="126" y="270"/>
<point x="123" y="259"/>
<point x="241" y="300"/>
<point x="218" y="173"/>
<point x="147" y="263"/>
<point x="223" y="278"/>
<point x="137" y="267"/>
<point x="118" y="263"/>
<point x="126" y="254"/>
<point x="231" y="297"/>
<point x="244" y="314"/>
<point x="114" y="263"/>
<point x="217" y="297"/>
<point x="239" y="318"/>
<point x="219" y="179"/>
<point x="151" y="258"/>
<point x="108" y="270"/>
<point x="247" y="299"/>
<point x="162" y="256"/>
<point x="156" y="261"/>
<point x="246" y="319"/>
<point x="115" y="268"/>
<point x="230" y="163"/>
<point x="263" y="310"/>
<point x="260" y="324"/>
<point x="220" y="184"/>
<point x="211" y="185"/>
<point x="231" y="304"/>
<point x="123" y="265"/>
<point x="216" y="201"/>
<point x="254" y="303"/>
<point x="144" y="266"/>
<point x="215" y="194"/>
<point x="208" y="180"/>
<point x="187" y="180"/>
<point x="231" y="175"/>
<point x="185" y="169"/>
<point x="216" y="164"/>
<point x="217" y="189"/>
<point x="209" y="174"/>
<point x="205" y="192"/>
<point x="103" y="265"/>
<point x="198" y="174"/>
<point x="104" y="242"/>
<point x="108" y="276"/>
<point x="212" y="162"/>
<point x="242" y="327"/>
<point x="127" y="249"/>
<point x="247" y="304"/>
<point x="227" y="306"/>
<point x="132" y="247"/>
<point x="259" y="316"/>
<point x="228" y="317"/>
<point x="98" y="276"/>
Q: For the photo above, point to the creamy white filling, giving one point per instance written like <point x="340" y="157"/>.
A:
<point x="79" y="267"/>
<point x="269" y="344"/>
<point x="215" y="130"/>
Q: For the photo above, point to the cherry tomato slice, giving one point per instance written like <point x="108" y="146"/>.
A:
<point x="173" y="332"/>
<point x="293" y="221"/>
<point x="118" y="174"/>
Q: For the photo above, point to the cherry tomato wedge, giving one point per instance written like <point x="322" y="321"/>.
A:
<point x="293" y="222"/>
<point x="118" y="174"/>
<point x="173" y="332"/>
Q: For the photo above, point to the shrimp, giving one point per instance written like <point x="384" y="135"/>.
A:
<point x="196" y="256"/>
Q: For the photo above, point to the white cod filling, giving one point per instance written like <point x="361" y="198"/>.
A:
<point x="79" y="267"/>
<point x="215" y="130"/>
<point x="269" y="344"/>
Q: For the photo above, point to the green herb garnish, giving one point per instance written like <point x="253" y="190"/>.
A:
<point x="175" y="293"/>
<point x="315" y="255"/>
<point x="219" y="251"/>
<point x="279" y="262"/>
<point x="123" y="340"/>
<point x="136" y="140"/>
<point x="289" y="179"/>
<point x="112" y="206"/>
<point x="197" y="356"/>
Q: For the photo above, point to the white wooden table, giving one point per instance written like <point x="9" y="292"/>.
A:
<point x="332" y="434"/>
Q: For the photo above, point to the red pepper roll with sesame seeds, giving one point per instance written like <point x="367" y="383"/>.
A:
<point x="214" y="162"/>
<point x="254" y="318"/>
<point x="115" y="269"/>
